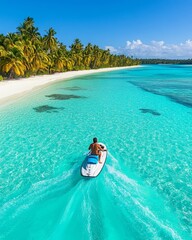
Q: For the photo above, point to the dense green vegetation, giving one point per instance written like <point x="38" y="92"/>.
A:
<point x="166" y="61"/>
<point x="27" y="53"/>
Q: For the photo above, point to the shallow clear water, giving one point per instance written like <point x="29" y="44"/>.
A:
<point x="143" y="115"/>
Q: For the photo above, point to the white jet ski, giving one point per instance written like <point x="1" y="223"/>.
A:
<point x="91" y="166"/>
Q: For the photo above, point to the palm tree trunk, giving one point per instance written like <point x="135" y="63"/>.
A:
<point x="11" y="74"/>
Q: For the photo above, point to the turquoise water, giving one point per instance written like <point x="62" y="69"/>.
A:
<point x="143" y="115"/>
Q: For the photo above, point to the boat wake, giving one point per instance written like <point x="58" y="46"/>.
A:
<point x="131" y="200"/>
<point x="111" y="206"/>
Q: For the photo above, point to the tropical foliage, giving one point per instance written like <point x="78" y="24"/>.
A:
<point x="166" y="61"/>
<point x="27" y="53"/>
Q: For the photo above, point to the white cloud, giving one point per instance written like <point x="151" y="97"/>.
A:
<point x="112" y="49"/>
<point x="155" y="49"/>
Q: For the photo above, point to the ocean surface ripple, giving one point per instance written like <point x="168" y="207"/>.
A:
<point x="144" y="191"/>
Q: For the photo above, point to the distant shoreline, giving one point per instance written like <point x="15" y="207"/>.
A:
<point x="12" y="89"/>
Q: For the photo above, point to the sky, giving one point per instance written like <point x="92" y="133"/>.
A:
<point x="138" y="28"/>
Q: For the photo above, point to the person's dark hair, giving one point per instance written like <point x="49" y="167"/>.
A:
<point x="95" y="140"/>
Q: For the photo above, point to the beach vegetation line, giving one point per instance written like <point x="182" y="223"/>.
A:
<point x="27" y="53"/>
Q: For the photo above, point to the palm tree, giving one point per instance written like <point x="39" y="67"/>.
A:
<point x="96" y="60"/>
<point x="59" y="59"/>
<point x="2" y="51"/>
<point x="70" y="64"/>
<point x="105" y="58"/>
<point x="77" y="53"/>
<point x="12" y="63"/>
<point x="39" y="60"/>
<point x="10" y="40"/>
<point x="49" y="40"/>
<point x="28" y="30"/>
<point x="26" y="25"/>
<point x="87" y="55"/>
<point x="60" y="62"/>
<point x="27" y="52"/>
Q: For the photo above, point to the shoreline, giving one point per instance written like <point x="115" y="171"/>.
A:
<point x="15" y="88"/>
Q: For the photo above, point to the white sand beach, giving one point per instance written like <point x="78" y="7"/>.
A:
<point x="14" y="88"/>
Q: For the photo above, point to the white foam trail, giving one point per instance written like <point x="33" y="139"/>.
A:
<point x="88" y="214"/>
<point x="113" y="171"/>
<point x="112" y="158"/>
<point x="120" y="186"/>
<point x="120" y="189"/>
<point x="67" y="214"/>
<point x="85" y="153"/>
<point x="122" y="193"/>
<point x="37" y="191"/>
<point x="152" y="217"/>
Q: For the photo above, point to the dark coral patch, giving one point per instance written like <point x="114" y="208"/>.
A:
<point x="185" y="100"/>
<point x="47" y="109"/>
<point x="151" y="111"/>
<point x="63" y="96"/>
<point x="75" y="88"/>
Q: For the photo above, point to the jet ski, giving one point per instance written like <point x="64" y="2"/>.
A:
<point x="91" y="166"/>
